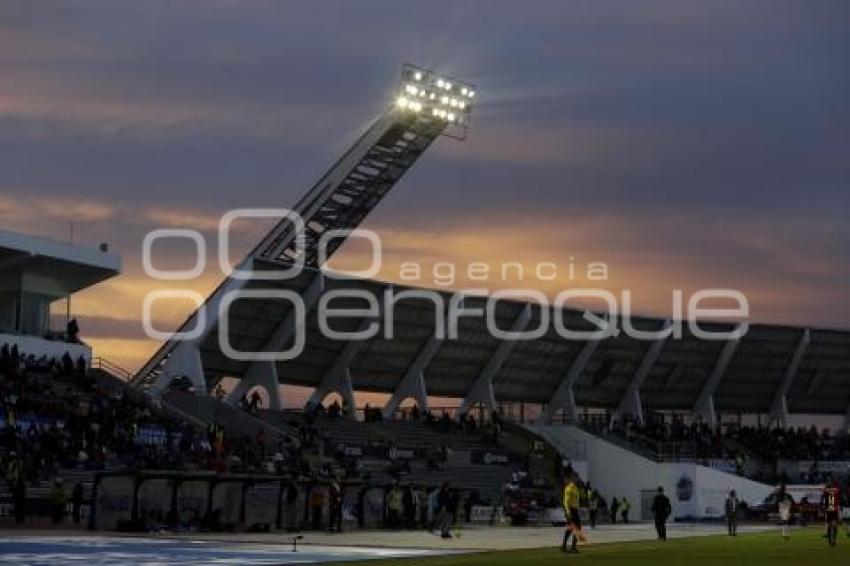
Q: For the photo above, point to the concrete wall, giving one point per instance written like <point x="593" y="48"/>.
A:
<point x="695" y="491"/>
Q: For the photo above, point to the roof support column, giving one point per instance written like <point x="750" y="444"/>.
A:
<point x="412" y="385"/>
<point x="259" y="370"/>
<point x="337" y="382"/>
<point x="779" y="407"/>
<point x="178" y="361"/>
<point x="338" y="377"/>
<point x="185" y="361"/>
<point x="704" y="405"/>
<point x="631" y="404"/>
<point x="563" y="398"/>
<point x="260" y="374"/>
<point x="482" y="389"/>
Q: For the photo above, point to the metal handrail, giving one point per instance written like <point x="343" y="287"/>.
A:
<point x="111" y="367"/>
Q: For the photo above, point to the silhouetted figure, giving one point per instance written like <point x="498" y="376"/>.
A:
<point x="72" y="331"/>
<point x="661" y="510"/>
<point x="335" y="496"/>
<point x="76" y="502"/>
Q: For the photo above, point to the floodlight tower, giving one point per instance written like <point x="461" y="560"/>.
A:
<point x="427" y="105"/>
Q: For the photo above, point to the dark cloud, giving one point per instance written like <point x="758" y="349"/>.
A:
<point x="720" y="129"/>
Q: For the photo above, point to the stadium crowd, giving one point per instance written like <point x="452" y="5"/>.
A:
<point x="55" y="417"/>
<point x="700" y="439"/>
<point x="763" y="447"/>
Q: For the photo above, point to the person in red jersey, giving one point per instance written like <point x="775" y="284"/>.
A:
<point x="831" y="503"/>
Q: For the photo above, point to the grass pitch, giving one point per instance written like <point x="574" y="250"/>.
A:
<point x="806" y="547"/>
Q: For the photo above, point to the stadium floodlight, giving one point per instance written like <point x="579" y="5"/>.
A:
<point x="427" y="105"/>
<point x="430" y="96"/>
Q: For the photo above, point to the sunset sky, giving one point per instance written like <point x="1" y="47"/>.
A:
<point x="686" y="144"/>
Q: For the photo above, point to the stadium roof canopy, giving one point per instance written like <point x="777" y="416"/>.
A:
<point x="808" y="369"/>
<point x="61" y="267"/>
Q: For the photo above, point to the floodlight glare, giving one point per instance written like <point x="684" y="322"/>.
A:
<point x="422" y="89"/>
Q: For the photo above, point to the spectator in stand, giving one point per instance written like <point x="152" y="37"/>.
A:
<point x="52" y="421"/>
<point x="751" y="451"/>
<point x="496" y="423"/>
<point x="334" y="411"/>
<point x="72" y="331"/>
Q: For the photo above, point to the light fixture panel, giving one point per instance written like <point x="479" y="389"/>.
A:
<point x="433" y="97"/>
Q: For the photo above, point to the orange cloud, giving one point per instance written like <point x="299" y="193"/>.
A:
<point x="518" y="250"/>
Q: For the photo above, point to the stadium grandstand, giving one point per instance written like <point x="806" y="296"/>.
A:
<point x="188" y="443"/>
<point x="672" y="406"/>
<point x="36" y="274"/>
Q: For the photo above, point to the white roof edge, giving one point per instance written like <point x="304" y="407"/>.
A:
<point x="74" y="253"/>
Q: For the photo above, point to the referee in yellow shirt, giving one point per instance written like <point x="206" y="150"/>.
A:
<point x="572" y="496"/>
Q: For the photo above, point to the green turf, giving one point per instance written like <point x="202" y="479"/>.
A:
<point x="805" y="548"/>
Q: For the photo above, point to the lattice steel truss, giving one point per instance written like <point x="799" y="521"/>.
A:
<point x="341" y="200"/>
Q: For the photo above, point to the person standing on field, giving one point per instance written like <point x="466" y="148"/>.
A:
<point x="443" y="510"/>
<point x="395" y="506"/>
<point x="661" y="510"/>
<point x="732" y="507"/>
<point x="785" y="507"/>
<point x="592" y="507"/>
<point x="831" y="503"/>
<point x="572" y="501"/>
<point x="335" y="497"/>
